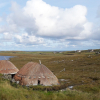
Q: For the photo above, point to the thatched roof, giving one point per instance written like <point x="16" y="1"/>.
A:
<point x="33" y="74"/>
<point x="6" y="67"/>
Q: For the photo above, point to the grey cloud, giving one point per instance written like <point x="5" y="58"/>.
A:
<point x="29" y="20"/>
<point x="98" y="12"/>
<point x="22" y="20"/>
<point x="46" y="25"/>
<point x="95" y="35"/>
<point x="25" y="39"/>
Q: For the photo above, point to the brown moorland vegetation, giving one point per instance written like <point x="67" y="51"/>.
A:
<point x="81" y="70"/>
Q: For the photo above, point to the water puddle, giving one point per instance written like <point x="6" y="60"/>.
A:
<point x="5" y="57"/>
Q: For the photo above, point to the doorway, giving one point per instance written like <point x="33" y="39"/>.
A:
<point x="12" y="76"/>
<point x="38" y="82"/>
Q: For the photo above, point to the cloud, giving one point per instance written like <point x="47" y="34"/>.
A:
<point x="7" y="36"/>
<point x="57" y="22"/>
<point x="0" y="19"/>
<point x="25" y="39"/>
<point x="20" y="20"/>
<point x="41" y="19"/>
<point x="39" y="23"/>
<point x="98" y="12"/>
<point x="95" y="35"/>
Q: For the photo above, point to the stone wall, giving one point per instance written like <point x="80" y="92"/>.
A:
<point x="7" y="76"/>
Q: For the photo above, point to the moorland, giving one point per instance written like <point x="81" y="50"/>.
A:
<point x="78" y="69"/>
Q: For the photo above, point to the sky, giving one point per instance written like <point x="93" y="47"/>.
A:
<point x="49" y="25"/>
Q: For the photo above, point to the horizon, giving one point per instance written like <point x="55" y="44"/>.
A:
<point x="48" y="50"/>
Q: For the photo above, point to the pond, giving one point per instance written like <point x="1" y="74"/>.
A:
<point x="5" y="57"/>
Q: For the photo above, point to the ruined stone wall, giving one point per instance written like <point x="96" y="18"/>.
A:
<point x="7" y="76"/>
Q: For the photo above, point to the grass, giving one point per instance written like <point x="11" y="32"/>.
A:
<point x="82" y="70"/>
<point x="8" y="92"/>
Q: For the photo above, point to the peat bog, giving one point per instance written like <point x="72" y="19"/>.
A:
<point x="81" y="70"/>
